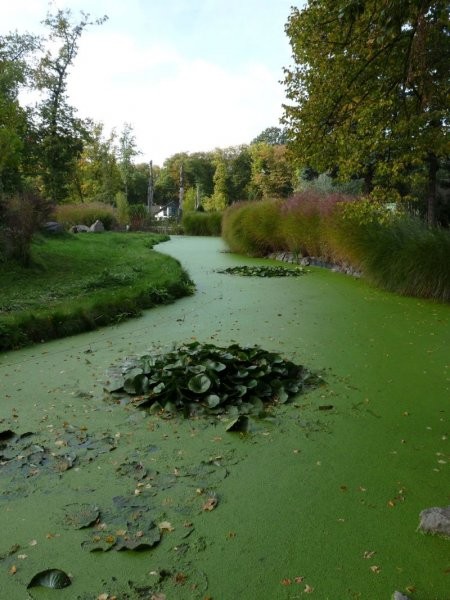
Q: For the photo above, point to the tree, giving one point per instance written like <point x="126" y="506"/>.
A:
<point x="275" y="136"/>
<point x="15" y="51"/>
<point x="127" y="150"/>
<point x="272" y="171"/>
<point x="61" y="133"/>
<point x="369" y="90"/>
<point x="97" y="176"/>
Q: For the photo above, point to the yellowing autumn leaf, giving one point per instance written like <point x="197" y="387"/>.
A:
<point x="165" y="526"/>
<point x="210" y="504"/>
<point x="375" y="569"/>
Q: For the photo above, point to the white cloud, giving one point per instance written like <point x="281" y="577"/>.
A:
<point x="174" y="103"/>
<point x="143" y="67"/>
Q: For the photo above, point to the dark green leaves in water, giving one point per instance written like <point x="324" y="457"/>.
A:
<point x="263" y="271"/>
<point x="203" y="378"/>
<point x="51" y="578"/>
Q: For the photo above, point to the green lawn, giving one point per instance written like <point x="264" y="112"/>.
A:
<point x="78" y="282"/>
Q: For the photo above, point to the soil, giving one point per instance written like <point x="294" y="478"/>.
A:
<point x="322" y="498"/>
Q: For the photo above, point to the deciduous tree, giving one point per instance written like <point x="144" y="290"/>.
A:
<point x="369" y="90"/>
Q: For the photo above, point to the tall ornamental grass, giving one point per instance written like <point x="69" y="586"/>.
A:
<point x="394" y="250"/>
<point x="86" y="214"/>
<point x="252" y="227"/>
<point x="202" y="223"/>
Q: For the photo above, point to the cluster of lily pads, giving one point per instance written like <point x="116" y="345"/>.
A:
<point x="199" y="378"/>
<point x="264" y="271"/>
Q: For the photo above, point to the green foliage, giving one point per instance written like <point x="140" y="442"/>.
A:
<point x="60" y="132"/>
<point x="262" y="271"/>
<point x="273" y="136"/>
<point x="202" y="378"/>
<point x="368" y="92"/>
<point x="20" y="217"/>
<point x="252" y="227"/>
<point x="79" y="283"/>
<point x="139" y="217"/>
<point x="394" y="251"/>
<point x="123" y="209"/>
<point x="86" y="214"/>
<point x="200" y="223"/>
<point x="272" y="171"/>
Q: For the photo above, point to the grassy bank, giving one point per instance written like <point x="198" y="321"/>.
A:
<point x="80" y="282"/>
<point x="394" y="250"/>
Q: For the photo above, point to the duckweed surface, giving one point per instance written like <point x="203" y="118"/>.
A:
<point x="321" y="499"/>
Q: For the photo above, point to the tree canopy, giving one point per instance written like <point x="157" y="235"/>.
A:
<point x="369" y="91"/>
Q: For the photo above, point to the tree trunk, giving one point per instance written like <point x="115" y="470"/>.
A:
<point x="368" y="179"/>
<point x="433" y="166"/>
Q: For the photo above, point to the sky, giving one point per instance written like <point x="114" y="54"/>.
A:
<point x="188" y="75"/>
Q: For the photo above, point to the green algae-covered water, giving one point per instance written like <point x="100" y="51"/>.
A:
<point x="323" y="499"/>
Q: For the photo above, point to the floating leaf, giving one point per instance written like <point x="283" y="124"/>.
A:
<point x="199" y="384"/>
<point x="51" y="578"/>
<point x="80" y="516"/>
<point x="240" y="423"/>
<point x="210" y="504"/>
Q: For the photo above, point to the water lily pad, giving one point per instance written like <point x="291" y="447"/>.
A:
<point x="50" y="578"/>
<point x="80" y="516"/>
<point x="240" y="423"/>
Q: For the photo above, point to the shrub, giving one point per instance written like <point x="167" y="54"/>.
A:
<point x="202" y="223"/>
<point x="86" y="214"/>
<point x="253" y="227"/>
<point x="20" y="217"/>
<point x="304" y="219"/>
<point x="123" y="209"/>
<point x="395" y="251"/>
<point x="139" y="217"/>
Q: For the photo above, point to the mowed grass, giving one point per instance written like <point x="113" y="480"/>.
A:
<point x="79" y="282"/>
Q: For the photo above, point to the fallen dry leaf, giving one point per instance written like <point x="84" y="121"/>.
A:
<point x="158" y="596"/>
<point x="299" y="579"/>
<point x="375" y="569"/>
<point x="33" y="543"/>
<point x="210" y="504"/>
<point x="369" y="553"/>
<point x="286" y="581"/>
<point x="103" y="597"/>
<point x="165" y="526"/>
<point x="13" y="570"/>
<point x="308" y="589"/>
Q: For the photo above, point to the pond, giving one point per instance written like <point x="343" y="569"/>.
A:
<point x="323" y="498"/>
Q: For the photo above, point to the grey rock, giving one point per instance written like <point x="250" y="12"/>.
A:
<point x="435" y="520"/>
<point x="305" y="262"/>
<point x="97" y="227"/>
<point x="52" y="227"/>
<point x="399" y="596"/>
<point x="79" y="229"/>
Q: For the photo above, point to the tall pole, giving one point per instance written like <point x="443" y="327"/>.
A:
<point x="150" y="190"/>
<point x="181" y="195"/>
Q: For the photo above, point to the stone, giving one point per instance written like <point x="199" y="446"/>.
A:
<point x="305" y="262"/>
<point x="79" y="229"/>
<point x="97" y="227"/>
<point x="53" y="227"/>
<point x="435" y="520"/>
<point x="399" y="596"/>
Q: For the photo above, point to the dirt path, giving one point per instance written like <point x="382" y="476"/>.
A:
<point x="320" y="502"/>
